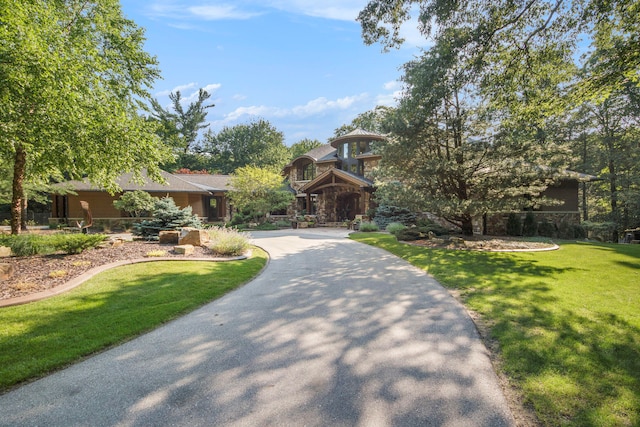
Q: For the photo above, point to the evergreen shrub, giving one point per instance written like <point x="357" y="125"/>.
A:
<point x="514" y="225"/>
<point x="547" y="229"/>
<point x="167" y="216"/>
<point x="529" y="225"/>
<point x="385" y="215"/>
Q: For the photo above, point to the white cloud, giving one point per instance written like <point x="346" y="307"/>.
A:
<point x="182" y="10"/>
<point x="343" y="10"/>
<point x="180" y="88"/>
<point x="314" y="107"/>
<point x="218" y="12"/>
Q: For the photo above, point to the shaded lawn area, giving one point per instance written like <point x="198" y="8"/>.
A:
<point x="109" y="309"/>
<point x="567" y="322"/>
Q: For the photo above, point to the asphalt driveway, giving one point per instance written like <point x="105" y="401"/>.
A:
<point x="332" y="333"/>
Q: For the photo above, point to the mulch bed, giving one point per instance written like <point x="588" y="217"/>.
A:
<point x="482" y="243"/>
<point x="42" y="272"/>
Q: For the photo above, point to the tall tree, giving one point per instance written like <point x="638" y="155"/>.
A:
<point x="255" y="144"/>
<point x="180" y="128"/>
<point x="303" y="146"/>
<point x="72" y="77"/>
<point x="371" y="121"/>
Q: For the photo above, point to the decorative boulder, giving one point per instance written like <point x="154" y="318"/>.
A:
<point x="169" y="237"/>
<point x="6" y="271"/>
<point x="183" y="249"/>
<point x="193" y="236"/>
<point x="5" y="251"/>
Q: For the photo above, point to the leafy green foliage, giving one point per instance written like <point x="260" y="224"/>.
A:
<point x="303" y="146"/>
<point x="45" y="244"/>
<point x="368" y="227"/>
<point x="529" y="225"/>
<point x="167" y="216"/>
<point x="258" y="191"/>
<point x="256" y="144"/>
<point x="385" y="215"/>
<point x="179" y="129"/>
<point x="72" y="76"/>
<point x="395" y="227"/>
<point x="136" y="203"/>
<point x="228" y="241"/>
<point x="514" y="225"/>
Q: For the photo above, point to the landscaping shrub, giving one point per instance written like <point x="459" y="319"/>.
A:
<point x="425" y="225"/>
<point x="385" y="215"/>
<point x="547" y="229"/>
<point x="228" y="241"/>
<point x="599" y="230"/>
<point x="167" y="216"/>
<point x="44" y="244"/>
<point x="529" y="225"/>
<point x="77" y="243"/>
<point x="367" y="227"/>
<point x="283" y="224"/>
<point x="514" y="225"/>
<point x="571" y="231"/>
<point x="410" y="234"/>
<point x="136" y="203"/>
<point x="395" y="227"/>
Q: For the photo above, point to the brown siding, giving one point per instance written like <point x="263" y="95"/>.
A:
<point x="566" y="191"/>
<point x="100" y="203"/>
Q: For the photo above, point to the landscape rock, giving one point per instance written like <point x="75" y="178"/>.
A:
<point x="5" y="251"/>
<point x="193" y="236"/>
<point x="6" y="271"/>
<point x="184" y="249"/>
<point x="169" y="237"/>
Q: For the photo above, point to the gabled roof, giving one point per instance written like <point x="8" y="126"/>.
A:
<point x="215" y="183"/>
<point x="357" y="135"/>
<point x="175" y="183"/>
<point x="347" y="177"/>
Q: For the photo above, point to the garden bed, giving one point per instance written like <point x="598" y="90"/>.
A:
<point x="43" y="272"/>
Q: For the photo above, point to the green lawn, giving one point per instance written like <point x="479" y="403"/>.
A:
<point x="567" y="321"/>
<point x="112" y="307"/>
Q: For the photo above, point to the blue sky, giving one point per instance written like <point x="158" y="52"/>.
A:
<point x="299" y="64"/>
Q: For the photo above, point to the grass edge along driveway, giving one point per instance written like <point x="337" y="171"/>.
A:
<point x="567" y="322"/>
<point x="109" y="309"/>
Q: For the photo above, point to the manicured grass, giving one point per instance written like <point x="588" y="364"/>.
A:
<point x="567" y="322"/>
<point x="112" y="307"/>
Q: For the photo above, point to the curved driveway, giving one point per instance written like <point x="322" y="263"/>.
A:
<point x="332" y="333"/>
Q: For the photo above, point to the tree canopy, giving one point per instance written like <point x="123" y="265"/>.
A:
<point x="256" y="144"/>
<point x="73" y="76"/>
<point x="303" y="146"/>
<point x="258" y="191"/>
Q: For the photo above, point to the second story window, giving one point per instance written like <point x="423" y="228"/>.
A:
<point x="308" y="172"/>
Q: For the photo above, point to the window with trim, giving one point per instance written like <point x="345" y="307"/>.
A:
<point x="308" y="172"/>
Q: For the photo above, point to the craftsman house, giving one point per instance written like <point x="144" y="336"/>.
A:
<point x="205" y="193"/>
<point x="333" y="182"/>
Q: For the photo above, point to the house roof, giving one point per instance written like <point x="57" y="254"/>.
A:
<point x="208" y="182"/>
<point x="357" y="135"/>
<point x="324" y="153"/>
<point x="348" y="177"/>
<point x="175" y="183"/>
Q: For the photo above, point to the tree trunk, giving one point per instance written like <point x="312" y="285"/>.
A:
<point x="613" y="187"/>
<point x="19" y="170"/>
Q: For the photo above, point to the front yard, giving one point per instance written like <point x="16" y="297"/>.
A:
<point x="566" y="323"/>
